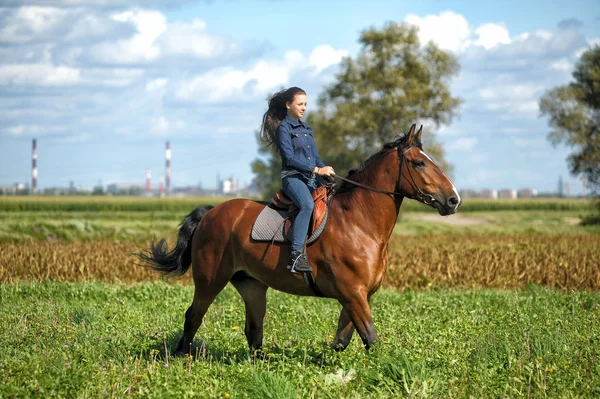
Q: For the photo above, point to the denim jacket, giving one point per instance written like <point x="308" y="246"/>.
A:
<point x="297" y="147"/>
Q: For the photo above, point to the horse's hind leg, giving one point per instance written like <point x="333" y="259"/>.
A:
<point x="204" y="295"/>
<point x="344" y="332"/>
<point x="254" y="294"/>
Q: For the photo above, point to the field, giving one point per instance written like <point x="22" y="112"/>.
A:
<point x="500" y="300"/>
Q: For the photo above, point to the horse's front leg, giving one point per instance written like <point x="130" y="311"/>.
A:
<point x="357" y="307"/>
<point x="344" y="332"/>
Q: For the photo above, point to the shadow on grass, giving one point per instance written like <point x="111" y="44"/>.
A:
<point x="318" y="355"/>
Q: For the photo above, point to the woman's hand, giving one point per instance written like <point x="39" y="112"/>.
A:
<point x="325" y="171"/>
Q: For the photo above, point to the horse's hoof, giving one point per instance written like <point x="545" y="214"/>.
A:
<point x="338" y="347"/>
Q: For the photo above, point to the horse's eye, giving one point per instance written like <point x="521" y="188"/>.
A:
<point x="418" y="164"/>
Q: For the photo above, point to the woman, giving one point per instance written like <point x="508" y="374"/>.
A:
<point x="283" y="127"/>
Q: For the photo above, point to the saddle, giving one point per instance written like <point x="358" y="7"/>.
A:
<point x="320" y="197"/>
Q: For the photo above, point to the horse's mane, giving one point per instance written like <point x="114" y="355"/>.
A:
<point x="353" y="174"/>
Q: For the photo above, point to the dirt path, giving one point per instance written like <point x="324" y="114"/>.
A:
<point x="454" y="220"/>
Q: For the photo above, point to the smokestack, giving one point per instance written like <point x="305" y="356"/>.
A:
<point x="148" y="177"/>
<point x="168" y="167"/>
<point x="34" y="172"/>
<point x="161" y="186"/>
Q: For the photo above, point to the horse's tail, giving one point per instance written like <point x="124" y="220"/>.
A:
<point x="177" y="261"/>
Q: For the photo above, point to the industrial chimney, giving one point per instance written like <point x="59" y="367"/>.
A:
<point x="148" y="178"/>
<point x="168" y="167"/>
<point x="34" y="171"/>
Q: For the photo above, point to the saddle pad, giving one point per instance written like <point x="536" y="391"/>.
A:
<point x="269" y="225"/>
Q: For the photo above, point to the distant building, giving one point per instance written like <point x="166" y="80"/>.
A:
<point x="57" y="191"/>
<point x="527" y="193"/>
<point x="191" y="191"/>
<point x="124" y="189"/>
<point x="507" y="193"/>
<point x="489" y="193"/>
<point x="252" y="190"/>
<point x="12" y="189"/>
<point x="229" y="186"/>
<point x="468" y="193"/>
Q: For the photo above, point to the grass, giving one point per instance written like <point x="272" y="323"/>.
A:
<point x="185" y="205"/>
<point x="94" y="339"/>
<point x="497" y="222"/>
<point x="97" y="340"/>
<point x="19" y="226"/>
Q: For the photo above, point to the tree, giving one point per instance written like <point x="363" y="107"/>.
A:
<point x="574" y="112"/>
<point x="393" y="83"/>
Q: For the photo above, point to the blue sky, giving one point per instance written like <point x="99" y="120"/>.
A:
<point x="102" y="84"/>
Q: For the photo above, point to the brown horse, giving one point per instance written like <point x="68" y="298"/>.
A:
<point x="349" y="260"/>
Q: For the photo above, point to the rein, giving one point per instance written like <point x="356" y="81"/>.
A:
<point x="424" y="198"/>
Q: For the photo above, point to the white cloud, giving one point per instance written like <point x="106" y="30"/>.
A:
<point x="514" y="130"/>
<point x="520" y="142"/>
<point x="83" y="36"/>
<point x="229" y="83"/>
<point x="562" y="65"/>
<point x="510" y="91"/>
<point x="232" y="84"/>
<point x="156" y="40"/>
<point x="38" y="75"/>
<point x="192" y="39"/>
<point x="43" y="24"/>
<point x="30" y="130"/>
<point x="324" y="56"/>
<point x="462" y="144"/>
<point x="490" y="35"/>
<point x="156" y="85"/>
<point x="164" y="127"/>
<point x="141" y="47"/>
<point x="25" y="24"/>
<point x="449" y="30"/>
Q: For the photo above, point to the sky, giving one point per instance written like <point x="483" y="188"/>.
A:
<point x="102" y="84"/>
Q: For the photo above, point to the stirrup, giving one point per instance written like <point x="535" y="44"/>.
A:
<point x="304" y="268"/>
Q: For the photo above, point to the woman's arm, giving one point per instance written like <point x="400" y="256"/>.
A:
<point x="320" y="163"/>
<point x="286" y="149"/>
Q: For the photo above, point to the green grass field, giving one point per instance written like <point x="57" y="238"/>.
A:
<point x="60" y="222"/>
<point x="185" y="205"/>
<point x="95" y="340"/>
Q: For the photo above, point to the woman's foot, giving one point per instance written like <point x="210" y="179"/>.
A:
<point x="299" y="263"/>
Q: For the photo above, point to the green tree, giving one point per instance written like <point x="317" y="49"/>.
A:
<point x="393" y="83"/>
<point x="574" y="112"/>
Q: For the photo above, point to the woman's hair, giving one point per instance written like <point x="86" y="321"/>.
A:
<point x="275" y="114"/>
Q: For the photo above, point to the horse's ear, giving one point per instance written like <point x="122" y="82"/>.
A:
<point x="418" y="137"/>
<point x="411" y="135"/>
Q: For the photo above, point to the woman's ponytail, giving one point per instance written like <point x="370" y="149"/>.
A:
<point x="275" y="114"/>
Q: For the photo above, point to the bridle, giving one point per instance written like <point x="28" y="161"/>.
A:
<point x="427" y="199"/>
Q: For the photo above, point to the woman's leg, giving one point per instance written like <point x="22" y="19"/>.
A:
<point x="297" y="190"/>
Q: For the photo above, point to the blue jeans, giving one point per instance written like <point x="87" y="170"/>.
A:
<point x="299" y="189"/>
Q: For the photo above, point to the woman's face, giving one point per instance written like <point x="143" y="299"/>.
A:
<point x="297" y="107"/>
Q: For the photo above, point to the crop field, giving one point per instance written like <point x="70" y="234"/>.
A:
<point x="500" y="300"/>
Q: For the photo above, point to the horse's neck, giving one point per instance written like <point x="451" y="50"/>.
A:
<point x="378" y="211"/>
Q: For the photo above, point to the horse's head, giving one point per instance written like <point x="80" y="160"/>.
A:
<point x="421" y="179"/>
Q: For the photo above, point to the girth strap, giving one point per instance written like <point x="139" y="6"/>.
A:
<point x="310" y="281"/>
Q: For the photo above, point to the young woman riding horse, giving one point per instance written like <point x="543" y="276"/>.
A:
<point x="350" y="258"/>
<point x="293" y="139"/>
